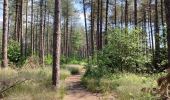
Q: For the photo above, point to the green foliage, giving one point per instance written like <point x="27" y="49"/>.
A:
<point x="78" y="38"/>
<point x="127" y="85"/>
<point x="74" y="69"/>
<point x="48" y="59"/>
<point x="14" y="54"/>
<point x="63" y="59"/>
<point x="64" y="74"/>
<point x="123" y="52"/>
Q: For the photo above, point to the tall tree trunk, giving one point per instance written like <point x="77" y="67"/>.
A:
<point x="67" y="30"/>
<point x="98" y="25"/>
<point x="85" y="22"/>
<point x="21" y="29"/>
<point x="16" y="21"/>
<point x="167" y="10"/>
<point x="56" y="45"/>
<point x="5" y="35"/>
<point x="101" y="25"/>
<point x="41" y="34"/>
<point x="135" y="13"/>
<point x="151" y="30"/>
<point x="36" y="38"/>
<point x="48" y="33"/>
<point x="26" y="30"/>
<point x="126" y="13"/>
<point x="45" y="13"/>
<point x="162" y="22"/>
<point x="157" y="42"/>
<point x="121" y="20"/>
<point x="32" y="41"/>
<point x="107" y="9"/>
<point x="115" y="12"/>
<point x="92" y="29"/>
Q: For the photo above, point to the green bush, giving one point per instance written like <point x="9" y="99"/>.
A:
<point x="127" y="85"/>
<point x="63" y="59"/>
<point x="14" y="54"/>
<point x="74" y="70"/>
<point x="48" y="59"/>
<point x="122" y="53"/>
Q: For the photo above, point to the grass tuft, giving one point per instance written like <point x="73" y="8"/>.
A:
<point x="37" y="87"/>
<point x="127" y="85"/>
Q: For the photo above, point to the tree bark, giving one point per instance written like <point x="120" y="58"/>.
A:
<point x="101" y="25"/>
<point x="157" y="42"/>
<point x="16" y="21"/>
<point x="5" y="35"/>
<point x="32" y="51"/>
<point x="56" y="45"/>
<point x="21" y="30"/>
<point x="135" y="13"/>
<point x="92" y="29"/>
<point x="115" y="12"/>
<point x="126" y="14"/>
<point x="167" y="10"/>
<point x="26" y="31"/>
<point x="41" y="35"/>
<point x="85" y="22"/>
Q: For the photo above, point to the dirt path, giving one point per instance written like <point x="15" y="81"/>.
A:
<point x="77" y="92"/>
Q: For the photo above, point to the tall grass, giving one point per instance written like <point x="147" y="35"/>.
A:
<point x="126" y="85"/>
<point x="36" y="87"/>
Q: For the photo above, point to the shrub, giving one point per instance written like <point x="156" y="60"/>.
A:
<point x="64" y="74"/>
<point x="14" y="54"/>
<point x="74" y="69"/>
<point x="122" y="53"/>
<point x="127" y="85"/>
<point x="63" y="59"/>
<point x="48" y="59"/>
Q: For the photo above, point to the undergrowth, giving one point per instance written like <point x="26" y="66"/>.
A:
<point x="126" y="85"/>
<point x="36" y="87"/>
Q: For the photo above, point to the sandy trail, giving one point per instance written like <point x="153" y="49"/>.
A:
<point x="75" y="91"/>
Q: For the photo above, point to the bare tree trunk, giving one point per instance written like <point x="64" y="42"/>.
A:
<point x="98" y="25"/>
<point x="101" y="25"/>
<point x="167" y="10"/>
<point x="126" y="13"/>
<point x="26" y="31"/>
<point x="48" y="33"/>
<point x="157" y="44"/>
<point x="85" y="19"/>
<point x="45" y="13"/>
<point x="92" y="29"/>
<point x="121" y="20"/>
<point x="150" y="17"/>
<point x="36" y="37"/>
<point x="115" y="12"/>
<point x="56" y="45"/>
<point x="41" y="34"/>
<point x="5" y="35"/>
<point x="32" y="41"/>
<point x="16" y="21"/>
<point x="135" y="13"/>
<point x="21" y="29"/>
<point x="162" y="22"/>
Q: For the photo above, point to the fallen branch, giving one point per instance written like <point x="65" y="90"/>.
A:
<point x="15" y="84"/>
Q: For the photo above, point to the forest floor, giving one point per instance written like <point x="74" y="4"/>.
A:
<point x="76" y="91"/>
